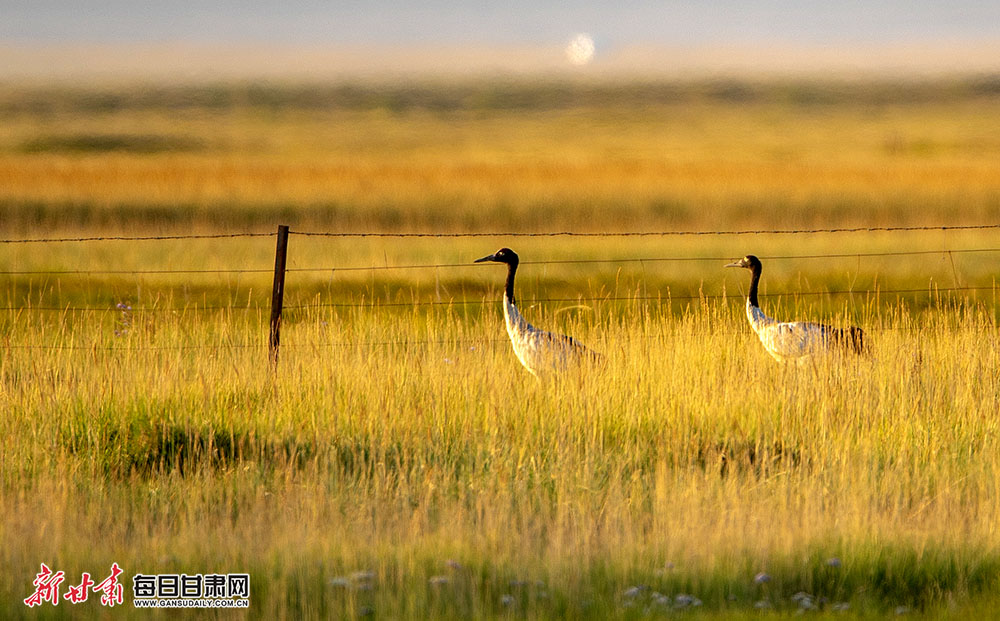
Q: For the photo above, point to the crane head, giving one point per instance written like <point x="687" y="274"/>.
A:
<point x="750" y="262"/>
<point x="504" y="255"/>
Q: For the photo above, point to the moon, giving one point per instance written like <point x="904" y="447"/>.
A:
<point x="580" y="49"/>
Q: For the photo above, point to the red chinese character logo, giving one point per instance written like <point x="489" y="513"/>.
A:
<point x="46" y="588"/>
<point x="79" y="594"/>
<point x="111" y="588"/>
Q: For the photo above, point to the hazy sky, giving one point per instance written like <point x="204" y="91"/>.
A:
<point x="509" y="22"/>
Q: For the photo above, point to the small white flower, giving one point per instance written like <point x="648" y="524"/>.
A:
<point x="340" y="581"/>
<point x="833" y="562"/>
<point x="438" y="580"/>
<point x="507" y="599"/>
<point x="805" y="601"/>
<point x="761" y="578"/>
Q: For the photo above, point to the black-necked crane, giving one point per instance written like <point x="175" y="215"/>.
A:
<point x="794" y="340"/>
<point x="539" y="351"/>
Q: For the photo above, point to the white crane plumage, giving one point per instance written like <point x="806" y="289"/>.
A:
<point x="796" y="340"/>
<point x="539" y="351"/>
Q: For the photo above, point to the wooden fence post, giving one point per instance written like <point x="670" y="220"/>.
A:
<point x="278" y="293"/>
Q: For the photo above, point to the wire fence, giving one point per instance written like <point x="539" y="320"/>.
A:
<point x="369" y="344"/>
<point x="54" y="240"/>
<point x="348" y="234"/>
<point x="865" y="229"/>
<point x="944" y="252"/>
<point x="372" y="303"/>
<point x="665" y="297"/>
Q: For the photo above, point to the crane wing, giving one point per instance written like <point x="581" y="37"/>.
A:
<point x="793" y="339"/>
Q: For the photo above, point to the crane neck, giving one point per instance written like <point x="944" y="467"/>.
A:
<point x="754" y="280"/>
<point x="509" y="288"/>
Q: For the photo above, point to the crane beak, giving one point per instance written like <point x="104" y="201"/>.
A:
<point x="736" y="264"/>
<point x="491" y="257"/>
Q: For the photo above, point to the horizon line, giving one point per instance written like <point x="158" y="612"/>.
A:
<point x="199" y="62"/>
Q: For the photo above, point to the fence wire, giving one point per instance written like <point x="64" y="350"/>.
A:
<point x="543" y="262"/>
<point x="54" y="240"/>
<point x="376" y="304"/>
<point x="860" y="229"/>
<point x="409" y="343"/>
<point x="349" y="234"/>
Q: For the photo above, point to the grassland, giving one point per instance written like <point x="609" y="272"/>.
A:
<point x="400" y="464"/>
<point x="491" y="157"/>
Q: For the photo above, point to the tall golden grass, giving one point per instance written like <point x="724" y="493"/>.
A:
<point x="399" y="441"/>
<point x="402" y="438"/>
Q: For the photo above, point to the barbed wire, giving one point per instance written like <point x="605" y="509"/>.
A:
<point x="97" y="347"/>
<point x="53" y="240"/>
<point x="132" y="272"/>
<point x="262" y="345"/>
<point x="139" y="309"/>
<point x="867" y="229"/>
<point x="429" y="266"/>
<point x="663" y="297"/>
<point x="464" y="342"/>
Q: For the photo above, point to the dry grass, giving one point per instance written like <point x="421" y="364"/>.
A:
<point x="690" y="464"/>
<point x="404" y="440"/>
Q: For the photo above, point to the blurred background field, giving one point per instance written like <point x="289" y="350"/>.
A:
<point x="400" y="463"/>
<point x="501" y="155"/>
